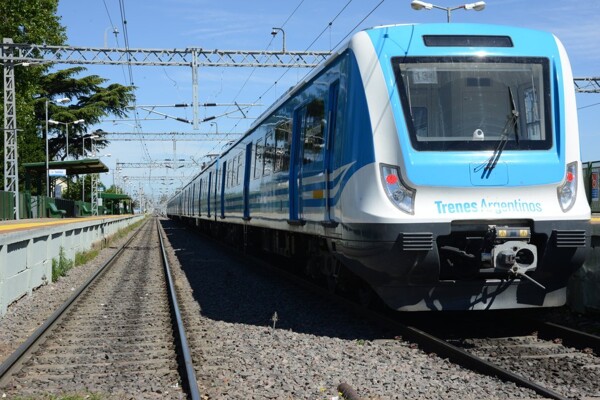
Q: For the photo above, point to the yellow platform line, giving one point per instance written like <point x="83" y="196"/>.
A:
<point x="39" y="224"/>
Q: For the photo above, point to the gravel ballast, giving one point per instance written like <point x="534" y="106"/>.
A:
<point x="254" y="336"/>
<point x="242" y="352"/>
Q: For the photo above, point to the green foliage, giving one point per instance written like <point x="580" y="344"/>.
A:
<point x="94" y="103"/>
<point x="85" y="257"/>
<point x="28" y="21"/>
<point x="37" y="22"/>
<point x="75" y="189"/>
<point x="61" y="266"/>
<point x="31" y="21"/>
<point x="114" y="189"/>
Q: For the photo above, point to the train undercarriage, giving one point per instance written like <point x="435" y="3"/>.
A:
<point x="473" y="266"/>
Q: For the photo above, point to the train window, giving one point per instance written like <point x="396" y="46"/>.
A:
<point x="238" y="173"/>
<point x="200" y="186"/>
<point x="532" y="114"/>
<point x="231" y="173"/>
<point x="269" y="153"/>
<point x="467" y="41"/>
<point x="313" y="134"/>
<point x="258" y="159"/>
<point x="477" y="101"/>
<point x="419" y="115"/>
<point x="283" y="144"/>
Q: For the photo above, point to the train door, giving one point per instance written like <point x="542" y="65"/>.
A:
<point x="200" y="198"/>
<point x="210" y="179"/>
<point x="193" y="200"/>
<point x="214" y="191"/>
<point x="223" y="179"/>
<point x="295" y="177"/>
<point x="329" y="146"/>
<point x="247" y="181"/>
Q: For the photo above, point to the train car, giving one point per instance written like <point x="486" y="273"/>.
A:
<point x="436" y="166"/>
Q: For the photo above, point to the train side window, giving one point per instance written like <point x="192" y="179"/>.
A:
<point x="283" y="143"/>
<point x="313" y="134"/>
<point x="258" y="159"/>
<point x="532" y="114"/>
<point x="238" y="173"/>
<point x="230" y="173"/>
<point x="200" y="186"/>
<point x="269" y="153"/>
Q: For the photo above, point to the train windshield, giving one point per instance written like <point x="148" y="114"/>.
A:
<point x="471" y="103"/>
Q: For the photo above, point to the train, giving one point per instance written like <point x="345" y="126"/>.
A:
<point x="428" y="167"/>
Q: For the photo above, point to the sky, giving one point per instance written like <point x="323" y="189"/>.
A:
<point x="316" y="25"/>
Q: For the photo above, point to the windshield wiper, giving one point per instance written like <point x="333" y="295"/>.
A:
<point x="511" y="122"/>
<point x="513" y="118"/>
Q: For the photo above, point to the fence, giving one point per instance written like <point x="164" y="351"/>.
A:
<point x="38" y="206"/>
<point x="591" y="174"/>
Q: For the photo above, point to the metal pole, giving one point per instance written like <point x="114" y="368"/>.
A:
<point x="67" y="125"/>
<point x="195" y="88"/>
<point x="11" y="164"/>
<point x="47" y="171"/>
<point x="83" y="155"/>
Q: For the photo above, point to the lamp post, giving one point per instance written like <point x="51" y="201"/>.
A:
<point x="66" y="124"/>
<point x="61" y="101"/>
<point x="89" y="136"/>
<point x="115" y="31"/>
<point x="420" y="5"/>
<point x="274" y="33"/>
<point x="92" y="137"/>
<point x="216" y="127"/>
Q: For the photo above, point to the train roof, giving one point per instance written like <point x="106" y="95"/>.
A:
<point x="410" y="30"/>
<point x="420" y="29"/>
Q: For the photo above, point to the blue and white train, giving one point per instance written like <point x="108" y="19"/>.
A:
<point x="436" y="166"/>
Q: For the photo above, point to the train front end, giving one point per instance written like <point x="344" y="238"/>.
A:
<point x="479" y="200"/>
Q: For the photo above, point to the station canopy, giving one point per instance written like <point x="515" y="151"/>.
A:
<point x="114" y="196"/>
<point x="73" y="167"/>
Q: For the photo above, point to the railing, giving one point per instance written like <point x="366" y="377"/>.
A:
<point x="591" y="177"/>
<point x="38" y="206"/>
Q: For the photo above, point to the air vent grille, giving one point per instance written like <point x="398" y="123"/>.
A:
<point x="569" y="238"/>
<point x="417" y="241"/>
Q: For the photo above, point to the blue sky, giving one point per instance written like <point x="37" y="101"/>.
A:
<point x="246" y="25"/>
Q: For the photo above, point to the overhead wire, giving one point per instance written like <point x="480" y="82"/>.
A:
<point x="330" y="23"/>
<point x="588" y="106"/>
<point x="252" y="73"/>
<point x="136" y="117"/>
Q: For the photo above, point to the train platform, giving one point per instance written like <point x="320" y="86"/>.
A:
<point x="30" y="247"/>
<point x="7" y="227"/>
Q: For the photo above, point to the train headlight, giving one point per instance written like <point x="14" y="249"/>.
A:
<point x="402" y="196"/>
<point x="567" y="192"/>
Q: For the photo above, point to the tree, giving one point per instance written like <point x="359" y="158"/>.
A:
<point x="93" y="103"/>
<point x="28" y="21"/>
<point x="35" y="21"/>
<point x="81" y="188"/>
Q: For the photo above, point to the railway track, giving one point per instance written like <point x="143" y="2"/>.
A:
<point x="541" y="361"/>
<point x="562" y="362"/>
<point x="121" y="334"/>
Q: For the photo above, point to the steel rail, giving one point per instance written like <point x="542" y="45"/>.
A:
<point x="426" y="341"/>
<point x="8" y="366"/>
<point x="185" y="347"/>
<point x="442" y="348"/>
<point x="570" y="336"/>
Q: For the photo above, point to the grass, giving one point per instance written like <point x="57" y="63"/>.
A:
<point x="62" y="265"/>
